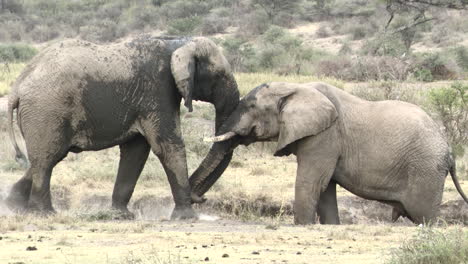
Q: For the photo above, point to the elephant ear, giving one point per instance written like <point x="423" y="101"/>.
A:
<point x="184" y="61"/>
<point x="306" y="112"/>
<point x="183" y="70"/>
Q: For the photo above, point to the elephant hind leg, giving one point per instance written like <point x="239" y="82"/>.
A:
<point x="397" y="211"/>
<point x="133" y="156"/>
<point x="47" y="144"/>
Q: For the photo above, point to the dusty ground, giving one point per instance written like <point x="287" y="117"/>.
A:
<point x="221" y="241"/>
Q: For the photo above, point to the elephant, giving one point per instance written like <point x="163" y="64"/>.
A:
<point x="389" y="151"/>
<point x="79" y="96"/>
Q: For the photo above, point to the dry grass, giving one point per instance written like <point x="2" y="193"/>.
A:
<point x="8" y="74"/>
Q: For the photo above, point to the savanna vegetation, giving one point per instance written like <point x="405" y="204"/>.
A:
<point x="415" y="51"/>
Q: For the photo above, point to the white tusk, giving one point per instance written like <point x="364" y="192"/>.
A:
<point x="220" y="138"/>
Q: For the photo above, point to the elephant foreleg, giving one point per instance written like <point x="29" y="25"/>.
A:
<point x="174" y="161"/>
<point x="328" y="207"/>
<point x="133" y="156"/>
<point x="311" y="179"/>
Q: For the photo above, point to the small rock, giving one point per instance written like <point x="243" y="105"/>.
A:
<point x="299" y="253"/>
<point x="207" y="259"/>
<point x="204" y="246"/>
<point x="194" y="247"/>
<point x="29" y="236"/>
<point x="256" y="253"/>
<point x="329" y="247"/>
<point x="330" y="239"/>
<point x="225" y="255"/>
<point x="31" y="248"/>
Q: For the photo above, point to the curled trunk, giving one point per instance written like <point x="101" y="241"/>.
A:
<point x="220" y="154"/>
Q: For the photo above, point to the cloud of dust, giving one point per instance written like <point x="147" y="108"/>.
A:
<point x="205" y="217"/>
<point x="4" y="190"/>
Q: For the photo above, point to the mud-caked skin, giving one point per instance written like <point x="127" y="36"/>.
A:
<point x="78" y="96"/>
<point x="389" y="151"/>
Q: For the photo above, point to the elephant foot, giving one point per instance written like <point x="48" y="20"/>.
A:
<point x="183" y="213"/>
<point x="304" y="220"/>
<point x="122" y="214"/>
<point x="40" y="208"/>
<point x="41" y="212"/>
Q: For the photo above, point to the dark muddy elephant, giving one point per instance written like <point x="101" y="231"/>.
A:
<point x="388" y="151"/>
<point x="78" y="96"/>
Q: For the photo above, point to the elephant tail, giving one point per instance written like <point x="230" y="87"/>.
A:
<point x="13" y="104"/>
<point x="453" y="173"/>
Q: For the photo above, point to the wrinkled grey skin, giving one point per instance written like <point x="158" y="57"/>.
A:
<point x="388" y="151"/>
<point x="78" y="96"/>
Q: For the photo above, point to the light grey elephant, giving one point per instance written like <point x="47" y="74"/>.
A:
<point x="78" y="96"/>
<point x="389" y="151"/>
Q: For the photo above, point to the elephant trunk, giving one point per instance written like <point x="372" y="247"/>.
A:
<point x="220" y="154"/>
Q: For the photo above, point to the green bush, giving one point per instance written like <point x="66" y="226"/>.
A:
<point x="440" y="67"/>
<point x="461" y="56"/>
<point x="451" y="105"/>
<point x="430" y="246"/>
<point x="254" y="23"/>
<point x="216" y="22"/>
<point x="423" y="75"/>
<point x="16" y="52"/>
<point x="184" y="26"/>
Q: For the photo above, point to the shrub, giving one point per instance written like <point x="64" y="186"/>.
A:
<point x="184" y="9"/>
<point x="216" y="22"/>
<point x="358" y="32"/>
<point x="140" y="17"/>
<point x="430" y="246"/>
<point x="441" y="67"/>
<point x="103" y="31"/>
<point x="240" y="54"/>
<point x="363" y="68"/>
<point x="345" y="49"/>
<point x="43" y="33"/>
<point x="184" y="26"/>
<point x="16" y="52"/>
<point x="254" y="23"/>
<point x="384" y="45"/>
<point x="451" y="105"/>
<point x="423" y="75"/>
<point x="322" y="32"/>
<point x="461" y="56"/>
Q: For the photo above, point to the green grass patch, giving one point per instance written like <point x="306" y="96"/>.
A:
<point x="431" y="246"/>
<point x="247" y="81"/>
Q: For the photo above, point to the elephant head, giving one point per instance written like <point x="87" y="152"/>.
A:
<point x="277" y="112"/>
<point x="201" y="72"/>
